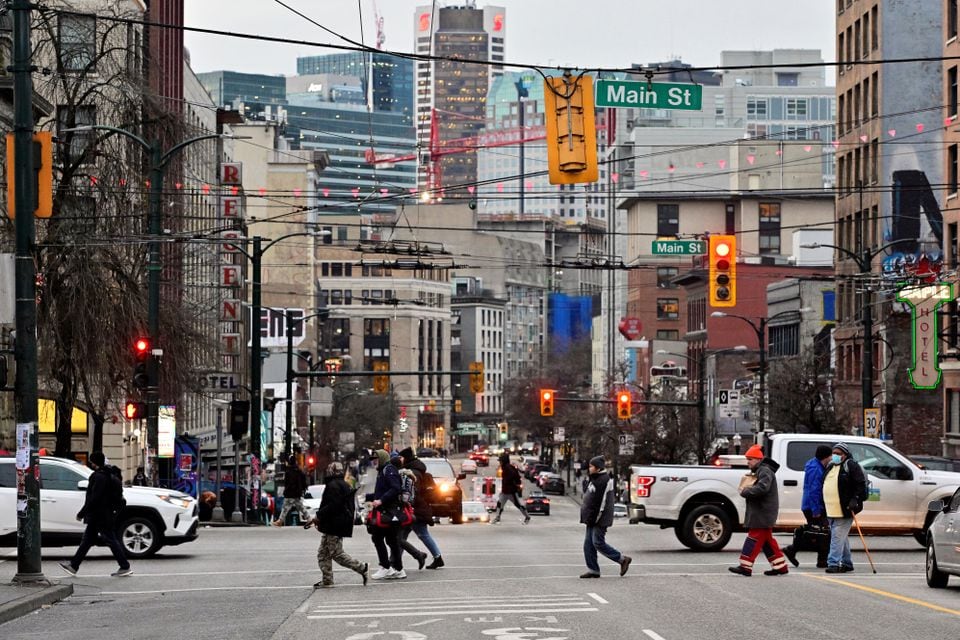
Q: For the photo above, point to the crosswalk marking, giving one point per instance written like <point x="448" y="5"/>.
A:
<point x="459" y="612"/>
<point x="456" y="606"/>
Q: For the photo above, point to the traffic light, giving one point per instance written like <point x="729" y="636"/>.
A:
<point x="457" y="405"/>
<point x="571" y="129"/>
<point x="546" y="402"/>
<point x="723" y="271"/>
<point x="134" y="410"/>
<point x="311" y="462"/>
<point x="504" y="427"/>
<point x="624" y="405"/>
<point x="476" y="377"/>
<point x="381" y="384"/>
<point x="141" y="353"/>
<point x="239" y="418"/>
<point x="42" y="167"/>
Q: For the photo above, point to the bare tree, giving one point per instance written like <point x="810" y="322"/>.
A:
<point x="800" y="395"/>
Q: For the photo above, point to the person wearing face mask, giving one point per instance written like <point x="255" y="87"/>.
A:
<point x="813" y="510"/>
<point x="844" y="491"/>
<point x="763" y="506"/>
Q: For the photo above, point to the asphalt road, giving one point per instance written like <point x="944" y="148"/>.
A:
<point x="506" y="582"/>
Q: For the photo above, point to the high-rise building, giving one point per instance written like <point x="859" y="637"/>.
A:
<point x="260" y="96"/>
<point x="387" y="80"/>
<point x="455" y="92"/>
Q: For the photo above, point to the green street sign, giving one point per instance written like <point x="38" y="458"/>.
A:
<point x="657" y="95"/>
<point x="678" y="248"/>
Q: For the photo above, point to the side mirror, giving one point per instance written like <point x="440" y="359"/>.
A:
<point x="461" y="476"/>
<point x="935" y="505"/>
<point x="83" y="484"/>
<point x="903" y="473"/>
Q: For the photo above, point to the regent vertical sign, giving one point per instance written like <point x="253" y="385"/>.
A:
<point x="924" y="301"/>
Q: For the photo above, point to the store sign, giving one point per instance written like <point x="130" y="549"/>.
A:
<point x="925" y="300"/>
<point x="166" y="431"/>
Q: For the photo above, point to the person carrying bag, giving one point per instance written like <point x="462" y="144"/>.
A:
<point x="386" y="515"/>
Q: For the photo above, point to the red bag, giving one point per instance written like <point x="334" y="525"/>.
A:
<point x="394" y="516"/>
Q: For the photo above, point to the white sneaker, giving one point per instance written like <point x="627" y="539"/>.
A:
<point x="382" y="574"/>
<point x="397" y="575"/>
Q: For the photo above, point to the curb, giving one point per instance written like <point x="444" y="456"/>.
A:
<point x="33" y="601"/>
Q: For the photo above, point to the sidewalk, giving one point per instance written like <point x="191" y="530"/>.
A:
<point x="18" y="600"/>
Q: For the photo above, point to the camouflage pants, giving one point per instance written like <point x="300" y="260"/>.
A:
<point x="330" y="551"/>
<point x="289" y="504"/>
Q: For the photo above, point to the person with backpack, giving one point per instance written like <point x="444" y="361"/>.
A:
<point x="101" y="506"/>
<point x="294" y="486"/>
<point x="334" y="520"/>
<point x="844" y="492"/>
<point x="511" y="484"/>
<point x="384" y="500"/>
<point x="422" y="511"/>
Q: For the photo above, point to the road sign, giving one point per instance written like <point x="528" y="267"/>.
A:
<point x="871" y="423"/>
<point x="626" y="444"/>
<point x="558" y="434"/>
<point x="629" y="94"/>
<point x="728" y="398"/>
<point x="678" y="248"/>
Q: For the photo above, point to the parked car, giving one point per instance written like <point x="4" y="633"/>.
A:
<point x="447" y="499"/>
<point x="537" y="468"/>
<point x="468" y="466"/>
<point x="619" y="510"/>
<point x="553" y="483"/>
<point x="537" y="502"/>
<point x="936" y="463"/>
<point x="475" y="512"/>
<point x="943" y="541"/>
<point x="153" y="517"/>
<point x="425" y="452"/>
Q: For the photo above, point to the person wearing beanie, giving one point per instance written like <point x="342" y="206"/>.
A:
<point x="334" y="520"/>
<point x="510" y="485"/>
<point x="596" y="511"/>
<point x="294" y="486"/>
<point x="763" y="506"/>
<point x="422" y="512"/>
<point x="844" y="492"/>
<point x="817" y="528"/>
<point x="386" y="496"/>
<point x="102" y="503"/>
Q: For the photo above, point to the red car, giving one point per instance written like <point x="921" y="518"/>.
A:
<point x="480" y="457"/>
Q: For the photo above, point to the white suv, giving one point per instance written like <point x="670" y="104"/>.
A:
<point x="152" y="518"/>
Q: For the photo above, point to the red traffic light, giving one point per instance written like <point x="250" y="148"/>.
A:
<point x="546" y="402"/>
<point x="134" y="410"/>
<point x="141" y="347"/>
<point x="624" y="405"/>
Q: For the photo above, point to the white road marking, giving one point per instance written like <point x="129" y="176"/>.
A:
<point x="426" y="622"/>
<point x="598" y="598"/>
<point x="460" y="612"/>
<point x="440" y="607"/>
<point x="457" y="602"/>
<point x="653" y="635"/>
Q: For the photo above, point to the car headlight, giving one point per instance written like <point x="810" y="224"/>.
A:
<point x="444" y="487"/>
<point x="183" y="503"/>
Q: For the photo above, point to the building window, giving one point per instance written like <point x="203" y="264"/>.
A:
<point x="788" y="79"/>
<point x="769" y="227"/>
<point x="665" y="275"/>
<point x="78" y="42"/>
<point x="952" y="175"/>
<point x="668" y="220"/>
<point x="784" y="341"/>
<point x="80" y="142"/>
<point x="668" y="334"/>
<point x="953" y="411"/>
<point x="952" y="91"/>
<point x="952" y="18"/>
<point x="757" y="108"/>
<point x="668" y="309"/>
<point x="796" y="108"/>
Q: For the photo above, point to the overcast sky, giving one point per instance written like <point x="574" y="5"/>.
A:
<point x="582" y="33"/>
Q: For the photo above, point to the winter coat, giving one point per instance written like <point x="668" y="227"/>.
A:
<point x="510" y="482"/>
<point x="422" y="510"/>
<point x="812" y="501"/>
<point x="387" y="489"/>
<point x="337" y="507"/>
<point x="763" y="502"/>
<point x="851" y="485"/>
<point x="97" y="504"/>
<point x="294" y="483"/>
<point x="596" y="510"/>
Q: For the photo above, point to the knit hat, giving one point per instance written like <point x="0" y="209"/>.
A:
<point x="823" y="451"/>
<point x="598" y="462"/>
<point x="842" y="446"/>
<point x="98" y="458"/>
<point x="756" y="451"/>
<point x="382" y="456"/>
<point x="335" y="469"/>
<point x="408" y="454"/>
<point x="394" y="454"/>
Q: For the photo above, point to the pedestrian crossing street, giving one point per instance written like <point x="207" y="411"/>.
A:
<point x="447" y="606"/>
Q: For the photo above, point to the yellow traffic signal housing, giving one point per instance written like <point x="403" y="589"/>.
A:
<point x="476" y="377"/>
<point x="43" y="168"/>
<point x="571" y="129"/>
<point x="381" y="384"/>
<point x="624" y="405"/>
<point x="457" y="405"/>
<point x="546" y="401"/>
<point x="723" y="271"/>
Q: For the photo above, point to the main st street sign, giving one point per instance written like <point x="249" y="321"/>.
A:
<point x="628" y="94"/>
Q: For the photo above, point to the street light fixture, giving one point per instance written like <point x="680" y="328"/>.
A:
<point x="761" y="331"/>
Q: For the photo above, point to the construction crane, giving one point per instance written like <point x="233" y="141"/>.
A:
<point x="381" y="36"/>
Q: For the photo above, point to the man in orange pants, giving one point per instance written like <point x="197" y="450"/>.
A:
<point x="762" y="508"/>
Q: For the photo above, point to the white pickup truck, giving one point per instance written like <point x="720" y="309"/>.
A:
<point x="703" y="506"/>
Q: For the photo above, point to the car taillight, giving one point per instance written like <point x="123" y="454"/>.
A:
<point x="642" y="485"/>
<point x="546" y="502"/>
<point x="529" y="501"/>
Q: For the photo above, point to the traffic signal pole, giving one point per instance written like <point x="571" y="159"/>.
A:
<point x="25" y="348"/>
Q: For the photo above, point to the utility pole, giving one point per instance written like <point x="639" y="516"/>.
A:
<point x="29" y="569"/>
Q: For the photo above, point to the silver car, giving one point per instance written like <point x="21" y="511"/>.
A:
<point x="943" y="542"/>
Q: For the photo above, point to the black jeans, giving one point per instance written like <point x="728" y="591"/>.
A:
<point x="384" y="537"/>
<point x="103" y="530"/>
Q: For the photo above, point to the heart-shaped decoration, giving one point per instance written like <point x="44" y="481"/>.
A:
<point x="297" y="193"/>
<point x="262" y="191"/>
<point x="355" y="191"/>
<point x="499" y="187"/>
<point x="722" y="163"/>
<point x="644" y="174"/>
<point x="892" y="132"/>
<point x="326" y="192"/>
<point x="779" y="152"/>
<point x="863" y="138"/>
<point x="836" y="144"/>
<point x="471" y="189"/>
<point x="920" y="127"/>
<point x="750" y="159"/>
<point x="699" y="165"/>
<point x="807" y="148"/>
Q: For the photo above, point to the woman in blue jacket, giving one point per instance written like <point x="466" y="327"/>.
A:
<point x="812" y="506"/>
<point x="386" y="495"/>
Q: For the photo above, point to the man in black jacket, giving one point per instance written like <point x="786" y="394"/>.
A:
<point x="844" y="491"/>
<point x="103" y="501"/>
<point x="294" y="486"/>
<point x="334" y="520"/>
<point x="422" y="512"/>
<point x="596" y="511"/>
<point x="510" y="485"/>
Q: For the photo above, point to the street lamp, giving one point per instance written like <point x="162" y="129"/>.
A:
<point x="865" y="264"/>
<point x="701" y="394"/>
<point x="761" y="331"/>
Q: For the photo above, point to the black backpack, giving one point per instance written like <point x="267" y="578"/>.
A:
<point x="115" y="488"/>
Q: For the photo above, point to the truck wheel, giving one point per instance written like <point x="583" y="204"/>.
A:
<point x="706" y="528"/>
<point x="935" y="578"/>
<point x="139" y="536"/>
<point x="678" y="531"/>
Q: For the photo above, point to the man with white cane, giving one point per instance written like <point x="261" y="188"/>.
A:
<point x="844" y="491"/>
